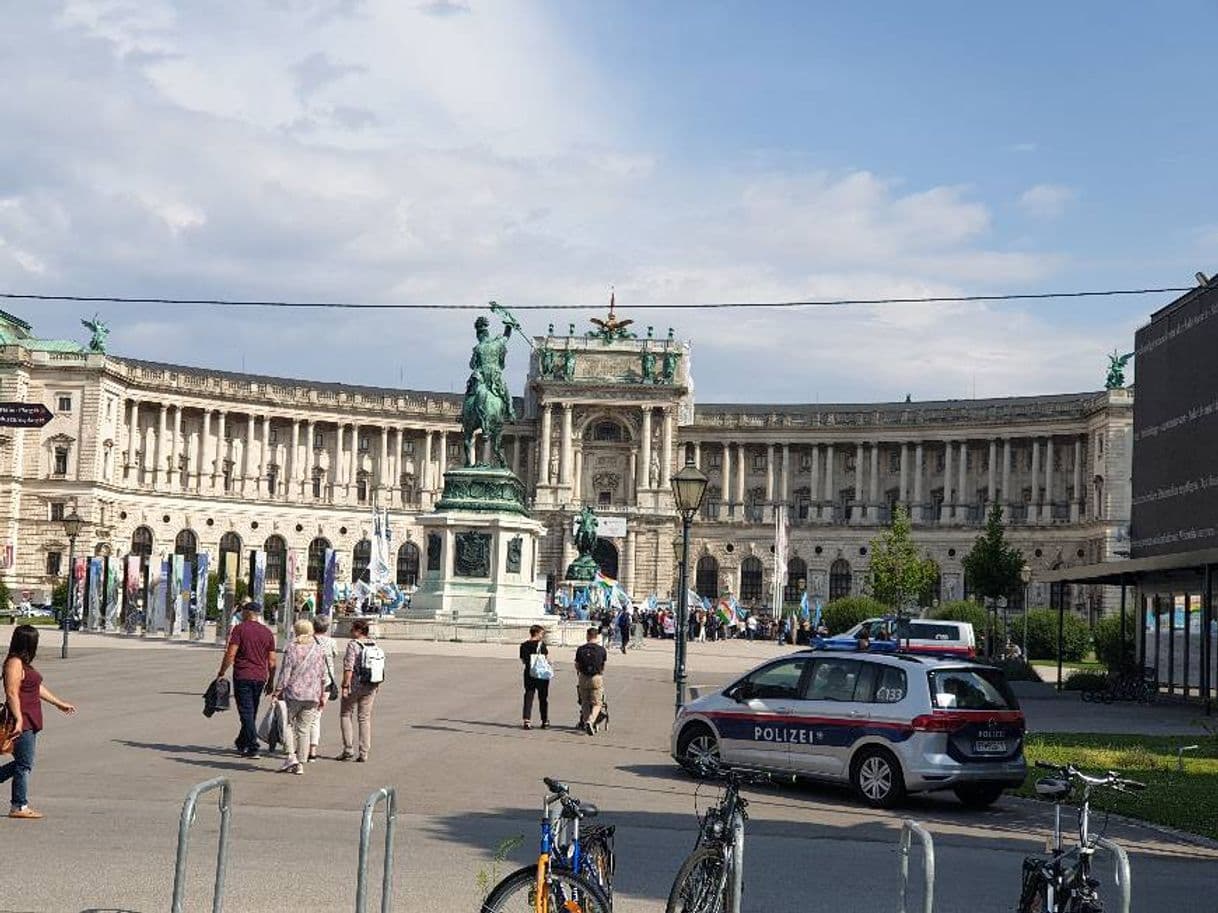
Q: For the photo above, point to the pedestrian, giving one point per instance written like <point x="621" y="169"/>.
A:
<point x="24" y="693"/>
<point x="537" y="675"/>
<point x="863" y="640"/>
<point x="623" y="625"/>
<point x="329" y="649"/>
<point x="590" y="665"/>
<point x="251" y="656"/>
<point x="751" y="626"/>
<point x="302" y="687"/>
<point x="359" y="689"/>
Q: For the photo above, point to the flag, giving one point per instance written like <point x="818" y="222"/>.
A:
<point x="820" y="607"/>
<point x="780" y="557"/>
<point x="805" y="611"/>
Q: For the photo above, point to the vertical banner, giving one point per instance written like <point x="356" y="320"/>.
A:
<point x="152" y="574"/>
<point x="202" y="566"/>
<point x="177" y="573"/>
<point x="258" y="577"/>
<point x="80" y="576"/>
<point x="95" y="592"/>
<point x="287" y="594"/>
<point x="113" y="593"/>
<point x="329" y="578"/>
<point x="131" y="586"/>
<point x="158" y="586"/>
<point x="230" y="562"/>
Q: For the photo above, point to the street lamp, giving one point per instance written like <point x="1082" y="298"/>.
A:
<point x="688" y="489"/>
<point x="71" y="524"/>
<point x="1025" y="574"/>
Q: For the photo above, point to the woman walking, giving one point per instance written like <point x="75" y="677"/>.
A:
<point x="535" y="646"/>
<point x="24" y="693"/>
<point x="358" y="694"/>
<point x="301" y="686"/>
<point x="329" y="649"/>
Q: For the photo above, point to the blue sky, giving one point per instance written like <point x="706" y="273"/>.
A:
<point x="540" y="152"/>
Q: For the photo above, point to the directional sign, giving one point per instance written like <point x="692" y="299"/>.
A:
<point x="24" y="415"/>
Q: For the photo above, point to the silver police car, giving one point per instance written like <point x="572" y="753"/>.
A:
<point x="888" y="724"/>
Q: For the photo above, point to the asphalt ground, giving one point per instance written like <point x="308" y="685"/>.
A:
<point x="111" y="781"/>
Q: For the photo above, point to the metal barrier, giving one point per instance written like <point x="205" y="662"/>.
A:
<point x="1120" y="872"/>
<point x="187" y="819"/>
<point x="908" y="829"/>
<point x="390" y="797"/>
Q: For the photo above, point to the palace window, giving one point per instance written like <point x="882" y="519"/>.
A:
<point x="317" y="483"/>
<point x="319" y="439"/>
<point x="894" y="460"/>
<point x="61" y="461"/>
<point x="754" y="510"/>
<point x="228" y="476"/>
<point x="363" y="443"/>
<point x="839" y="579"/>
<point x="805" y="461"/>
<point x="803" y="503"/>
<point x="64" y="403"/>
<point x="407" y="447"/>
<point x="57" y="511"/>
<point x="711" y="503"/>
<point x="604" y="499"/>
<point x="361" y="490"/>
<point x="714" y="459"/>
<point x="54" y="562"/>
<point x="759" y="460"/>
<point x="750" y="579"/>
<point x="272" y="480"/>
<point x="607" y="431"/>
<point x="273" y="436"/>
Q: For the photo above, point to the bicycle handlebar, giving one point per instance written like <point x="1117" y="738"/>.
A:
<point x="738" y="776"/>
<point x="555" y="786"/>
<point x="1110" y="778"/>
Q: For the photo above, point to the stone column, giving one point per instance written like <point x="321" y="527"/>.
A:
<point x="698" y="454"/>
<point x="632" y="476"/>
<point x="382" y="465"/>
<point x="945" y="516"/>
<point x="644" y="471"/>
<point x="726" y="494"/>
<point x="873" y="499"/>
<point x="443" y="459"/>
<point x="428" y="478"/>
<point x="1047" y="510"/>
<point x="1034" y="506"/>
<point x="221" y="451"/>
<point x="827" y="510"/>
<point x="859" y="510"/>
<point x="516" y="454"/>
<point x="768" y="510"/>
<point x="962" y="494"/>
<point x="204" y="445"/>
<point x="133" y="437"/>
<point x="543" y="447"/>
<point x="813" y="484"/>
<point x="395" y="466"/>
<point x="309" y="460"/>
<point x="784" y="480"/>
<point x="1008" y="500"/>
<point x="740" y="470"/>
<point x="158" y="475"/>
<point x="666" y="457"/>
<point x="175" y="451"/>
<point x="265" y="456"/>
<point x="566" y="467"/>
<point x="353" y="466"/>
<point x="631" y="553"/>
<point x="903" y="484"/>
<point x="1078" y="479"/>
<point x="577" y="478"/>
<point x="919" y="471"/>
<point x="991" y="480"/>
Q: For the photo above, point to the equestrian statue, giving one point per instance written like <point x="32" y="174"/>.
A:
<point x="488" y="404"/>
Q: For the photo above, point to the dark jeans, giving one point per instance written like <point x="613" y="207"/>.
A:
<point x="625" y="632"/>
<point x="247" y="694"/>
<point x="542" y="687"/>
<point x="19" y="768"/>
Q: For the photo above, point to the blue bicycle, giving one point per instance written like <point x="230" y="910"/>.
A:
<point x="573" y="872"/>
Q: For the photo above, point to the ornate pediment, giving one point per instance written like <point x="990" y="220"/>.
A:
<point x="61" y="438"/>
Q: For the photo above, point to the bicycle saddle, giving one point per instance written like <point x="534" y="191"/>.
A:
<point x="580" y="810"/>
<point x="1052" y="788"/>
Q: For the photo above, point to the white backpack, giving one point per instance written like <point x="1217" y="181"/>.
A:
<point x="371" y="666"/>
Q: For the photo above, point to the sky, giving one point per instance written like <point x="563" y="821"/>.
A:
<point x="457" y="151"/>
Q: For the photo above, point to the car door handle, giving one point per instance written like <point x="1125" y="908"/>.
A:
<point x="859" y="715"/>
<point x="787" y="710"/>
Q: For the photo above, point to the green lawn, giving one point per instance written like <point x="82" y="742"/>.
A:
<point x="1187" y="801"/>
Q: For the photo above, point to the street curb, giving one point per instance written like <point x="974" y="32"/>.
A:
<point x="1188" y="837"/>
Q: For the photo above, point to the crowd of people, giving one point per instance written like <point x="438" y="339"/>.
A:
<point x="618" y="627"/>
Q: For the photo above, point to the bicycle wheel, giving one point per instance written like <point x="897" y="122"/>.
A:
<point x="1034" y="898"/>
<point x="569" y="893"/>
<point x="701" y="885"/>
<point x="598" y="859"/>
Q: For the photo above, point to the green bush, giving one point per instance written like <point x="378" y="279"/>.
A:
<point x="844" y="613"/>
<point x="1107" y="636"/>
<point x="1042" y="635"/>
<point x="6" y="601"/>
<point x="59" y="598"/>
<point x="1085" y="681"/>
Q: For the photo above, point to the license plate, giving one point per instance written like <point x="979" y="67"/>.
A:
<point x="990" y="747"/>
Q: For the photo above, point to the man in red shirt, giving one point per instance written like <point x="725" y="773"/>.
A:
<point x="251" y="654"/>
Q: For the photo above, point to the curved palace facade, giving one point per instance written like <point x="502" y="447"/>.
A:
<point x="159" y="458"/>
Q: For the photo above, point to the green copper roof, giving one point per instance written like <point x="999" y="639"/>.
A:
<point x="16" y="332"/>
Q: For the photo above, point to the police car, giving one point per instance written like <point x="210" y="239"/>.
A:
<point x="885" y="723"/>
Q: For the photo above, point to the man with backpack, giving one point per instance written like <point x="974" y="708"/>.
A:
<point x="363" y="672"/>
<point x="590" y="665"/>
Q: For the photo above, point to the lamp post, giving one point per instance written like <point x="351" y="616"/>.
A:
<point x="688" y="488"/>
<point x="1025" y="574"/>
<point x="71" y="524"/>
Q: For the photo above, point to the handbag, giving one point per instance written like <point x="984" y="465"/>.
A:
<point x="539" y="665"/>
<point x="332" y="694"/>
<point x="7" y="724"/>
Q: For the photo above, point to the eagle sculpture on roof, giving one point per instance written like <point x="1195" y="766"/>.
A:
<point x="611" y="328"/>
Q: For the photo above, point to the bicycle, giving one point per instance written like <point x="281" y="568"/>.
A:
<point x="711" y="879"/>
<point x="573" y="873"/>
<point x="1057" y="883"/>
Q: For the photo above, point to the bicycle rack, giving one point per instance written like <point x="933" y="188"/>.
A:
<point x="187" y="819"/>
<point x="390" y="797"/>
<point x="1121" y="872"/>
<point x="736" y="888"/>
<point x="908" y="829"/>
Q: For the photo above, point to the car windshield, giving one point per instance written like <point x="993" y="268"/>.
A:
<point x="971" y="689"/>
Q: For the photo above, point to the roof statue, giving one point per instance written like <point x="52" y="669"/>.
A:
<point x="611" y="329"/>
<point x="100" y="331"/>
<point x="1116" y="370"/>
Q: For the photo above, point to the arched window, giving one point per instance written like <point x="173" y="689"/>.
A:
<point x="141" y="542"/>
<point x="186" y="545"/>
<point x="316" y="567"/>
<point x="706" y="579"/>
<point x="605" y="431"/>
<point x="839" y="579"/>
<point x="797" y="580"/>
<point x="230" y="542"/>
<point x="408" y="564"/>
<point x="361" y="559"/>
<point x="276" y="562"/>
<point x="750" y="579"/>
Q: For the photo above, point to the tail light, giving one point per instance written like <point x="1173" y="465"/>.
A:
<point x="939" y="722"/>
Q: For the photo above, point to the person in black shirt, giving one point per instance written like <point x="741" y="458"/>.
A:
<point x="590" y="665"/>
<point x="535" y="646"/>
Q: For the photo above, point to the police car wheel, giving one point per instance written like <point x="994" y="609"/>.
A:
<point x="876" y="777"/>
<point x="978" y="795"/>
<point x="697" y="746"/>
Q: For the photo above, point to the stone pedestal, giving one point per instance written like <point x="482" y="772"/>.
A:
<point x="481" y="551"/>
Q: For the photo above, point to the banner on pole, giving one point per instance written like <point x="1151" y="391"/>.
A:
<point x="131" y="587"/>
<point x="95" y="592"/>
<point x="177" y="573"/>
<point x="287" y="595"/>
<point x="81" y="575"/>
<point x="158" y="586"/>
<point x="112" y="601"/>
<point x="329" y="579"/>
<point x="258" y="577"/>
<point x="202" y="566"/>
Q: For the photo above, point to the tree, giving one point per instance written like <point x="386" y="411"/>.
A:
<point x="899" y="575"/>
<point x="6" y="600"/>
<point x="992" y="568"/>
<point x="1042" y="635"/>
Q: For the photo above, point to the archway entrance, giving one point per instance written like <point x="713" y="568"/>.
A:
<point x="605" y="553"/>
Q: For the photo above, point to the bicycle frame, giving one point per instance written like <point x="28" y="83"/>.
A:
<point x="554" y="828"/>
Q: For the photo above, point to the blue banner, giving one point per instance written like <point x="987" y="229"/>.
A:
<point x="199" y="619"/>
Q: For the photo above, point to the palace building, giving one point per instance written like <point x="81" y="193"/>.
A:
<point x="160" y="459"/>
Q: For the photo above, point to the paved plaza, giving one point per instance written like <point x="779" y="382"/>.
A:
<point x="111" y="781"/>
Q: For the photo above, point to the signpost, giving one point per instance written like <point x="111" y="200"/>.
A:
<point x="24" y="415"/>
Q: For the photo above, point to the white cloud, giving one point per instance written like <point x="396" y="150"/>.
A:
<point x="326" y="150"/>
<point x="1047" y="201"/>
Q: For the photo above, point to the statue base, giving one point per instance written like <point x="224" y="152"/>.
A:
<point x="582" y="570"/>
<point x="483" y="489"/>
